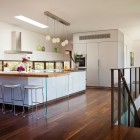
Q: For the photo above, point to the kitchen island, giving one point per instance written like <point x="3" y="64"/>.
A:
<point x="56" y="84"/>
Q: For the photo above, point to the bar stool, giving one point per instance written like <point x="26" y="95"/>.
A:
<point x="1" y="98"/>
<point x="34" y="102"/>
<point x="12" y="88"/>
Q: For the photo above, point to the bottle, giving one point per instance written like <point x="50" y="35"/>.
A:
<point x="65" y="67"/>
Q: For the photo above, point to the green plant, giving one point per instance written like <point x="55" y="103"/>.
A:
<point x="76" y="57"/>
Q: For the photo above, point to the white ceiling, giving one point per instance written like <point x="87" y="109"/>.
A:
<point x="84" y="15"/>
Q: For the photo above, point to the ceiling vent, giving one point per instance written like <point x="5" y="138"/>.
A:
<point x="96" y="36"/>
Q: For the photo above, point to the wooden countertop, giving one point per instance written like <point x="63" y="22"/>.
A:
<point x="34" y="74"/>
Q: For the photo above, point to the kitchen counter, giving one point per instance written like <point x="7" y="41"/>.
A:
<point x="56" y="85"/>
<point x="35" y="74"/>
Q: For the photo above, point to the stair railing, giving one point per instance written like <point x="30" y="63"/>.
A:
<point x="120" y="90"/>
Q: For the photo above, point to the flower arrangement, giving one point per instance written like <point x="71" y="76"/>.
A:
<point x="20" y="68"/>
<point x="24" y="66"/>
<point x="25" y="59"/>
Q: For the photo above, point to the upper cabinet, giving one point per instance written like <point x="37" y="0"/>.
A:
<point x="80" y="48"/>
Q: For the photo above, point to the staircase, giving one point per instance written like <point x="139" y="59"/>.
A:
<point x="125" y="97"/>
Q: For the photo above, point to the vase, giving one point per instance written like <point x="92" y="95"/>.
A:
<point x="6" y="69"/>
<point x="26" y="68"/>
<point x="76" y="66"/>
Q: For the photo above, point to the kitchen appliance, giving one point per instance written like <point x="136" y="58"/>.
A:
<point x="16" y="44"/>
<point x="82" y="61"/>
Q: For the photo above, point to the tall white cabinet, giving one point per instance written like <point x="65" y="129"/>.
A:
<point x="108" y="58"/>
<point x="92" y="64"/>
<point x="102" y="55"/>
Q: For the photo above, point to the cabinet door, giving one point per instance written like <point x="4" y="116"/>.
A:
<point x="80" y="48"/>
<point x="82" y="80"/>
<point x="51" y="88"/>
<point x="75" y="82"/>
<point x="70" y="83"/>
<point x="107" y="59"/>
<point x="92" y="64"/>
<point x="60" y="86"/>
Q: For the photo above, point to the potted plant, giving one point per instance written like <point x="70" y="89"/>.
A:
<point x="76" y="59"/>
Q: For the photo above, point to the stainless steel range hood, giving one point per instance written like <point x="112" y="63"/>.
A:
<point x="16" y="44"/>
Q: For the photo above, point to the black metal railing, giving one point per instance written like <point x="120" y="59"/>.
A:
<point x="125" y="90"/>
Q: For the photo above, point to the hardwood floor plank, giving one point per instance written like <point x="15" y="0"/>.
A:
<point x="88" y="118"/>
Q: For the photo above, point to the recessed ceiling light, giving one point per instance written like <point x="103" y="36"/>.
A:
<point x="28" y="20"/>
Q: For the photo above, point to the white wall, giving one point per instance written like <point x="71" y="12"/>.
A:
<point x="136" y="49"/>
<point x="29" y="42"/>
<point x="128" y="47"/>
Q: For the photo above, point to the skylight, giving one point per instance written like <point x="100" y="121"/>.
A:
<point x="30" y="21"/>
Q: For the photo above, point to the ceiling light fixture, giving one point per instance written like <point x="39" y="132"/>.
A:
<point x="30" y="21"/>
<point x="63" y="43"/>
<point x="48" y="37"/>
<point x="66" y="41"/>
<point x="54" y="39"/>
<point x="57" y="40"/>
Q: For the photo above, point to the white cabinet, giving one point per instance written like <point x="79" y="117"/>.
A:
<point x="108" y="58"/>
<point x="82" y="81"/>
<point x="101" y="57"/>
<point x="70" y="82"/>
<point x="104" y="50"/>
<point x="92" y="64"/>
<point x="61" y="86"/>
<point x="80" y="48"/>
<point x="77" y="81"/>
<point x="51" y="88"/>
<point x="57" y="87"/>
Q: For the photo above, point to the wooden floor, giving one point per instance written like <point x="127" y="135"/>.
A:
<point x="88" y="118"/>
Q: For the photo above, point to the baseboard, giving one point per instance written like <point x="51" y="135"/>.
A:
<point x="98" y="87"/>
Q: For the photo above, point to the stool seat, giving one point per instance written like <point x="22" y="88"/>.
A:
<point x="34" y="97"/>
<point x="12" y="88"/>
<point x="33" y="87"/>
<point x="11" y="85"/>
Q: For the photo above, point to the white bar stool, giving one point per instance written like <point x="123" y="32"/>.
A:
<point x="1" y="98"/>
<point x="34" y="101"/>
<point x="12" y="88"/>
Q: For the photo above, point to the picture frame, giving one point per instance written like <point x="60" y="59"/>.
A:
<point x="131" y="58"/>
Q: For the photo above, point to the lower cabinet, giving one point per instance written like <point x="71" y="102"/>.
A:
<point x="77" y="82"/>
<point x="61" y="86"/>
<point x="51" y="88"/>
